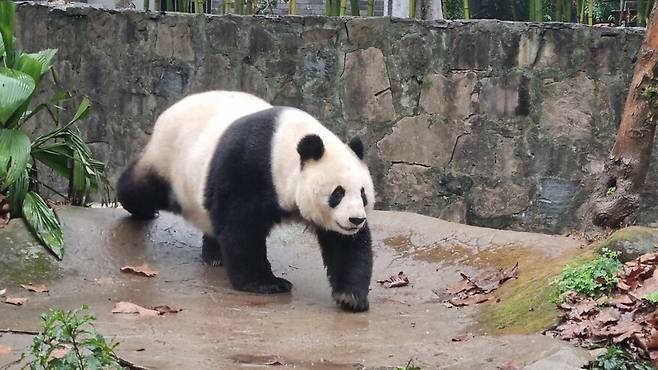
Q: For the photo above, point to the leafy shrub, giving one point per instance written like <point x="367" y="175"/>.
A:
<point x="61" y="149"/>
<point x="591" y="278"/>
<point x="653" y="297"/>
<point x="69" y="341"/>
<point x="617" y="358"/>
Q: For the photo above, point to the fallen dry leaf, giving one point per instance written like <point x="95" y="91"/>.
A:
<point x="15" y="301"/>
<point x="3" y="292"/>
<point x="131" y="308"/>
<point x="463" y="337"/>
<point x="474" y="299"/>
<point x="35" y="288"/>
<point x="395" y="281"/>
<point x="464" y="284"/>
<point x="512" y="273"/>
<point x="143" y="269"/>
<point x="4" y="350"/>
<point x="608" y="315"/>
<point x="163" y="309"/>
<point x="470" y="291"/>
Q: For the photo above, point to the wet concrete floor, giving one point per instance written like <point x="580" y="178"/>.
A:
<point x="223" y="329"/>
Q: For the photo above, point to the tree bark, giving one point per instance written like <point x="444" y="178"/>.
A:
<point x="618" y="195"/>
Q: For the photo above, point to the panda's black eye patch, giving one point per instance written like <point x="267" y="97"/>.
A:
<point x="336" y="196"/>
<point x="363" y="196"/>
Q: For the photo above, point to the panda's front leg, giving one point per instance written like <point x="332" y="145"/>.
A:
<point x="244" y="255"/>
<point x="348" y="259"/>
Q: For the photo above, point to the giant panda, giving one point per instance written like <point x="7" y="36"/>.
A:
<point x="233" y="166"/>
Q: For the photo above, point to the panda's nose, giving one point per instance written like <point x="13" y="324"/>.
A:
<point x="357" y="220"/>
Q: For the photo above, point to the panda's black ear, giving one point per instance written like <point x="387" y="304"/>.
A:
<point x="357" y="146"/>
<point x="310" y="147"/>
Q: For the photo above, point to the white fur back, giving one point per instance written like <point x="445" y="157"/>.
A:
<point x="184" y="140"/>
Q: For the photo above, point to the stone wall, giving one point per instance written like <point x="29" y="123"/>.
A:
<point x="491" y="123"/>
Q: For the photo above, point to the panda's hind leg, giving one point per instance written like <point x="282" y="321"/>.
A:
<point x="143" y="193"/>
<point x="211" y="252"/>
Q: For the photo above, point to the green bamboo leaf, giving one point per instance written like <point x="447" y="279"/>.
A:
<point x="55" y="101"/>
<point x="7" y="23"/>
<point x="83" y="111"/>
<point x="16" y="87"/>
<point x="37" y="64"/>
<point x="14" y="155"/>
<point x="16" y="193"/>
<point x="43" y="222"/>
<point x="56" y="156"/>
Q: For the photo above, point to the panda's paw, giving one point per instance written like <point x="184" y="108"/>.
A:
<point x="211" y="257"/>
<point x="269" y="286"/>
<point x="355" y="300"/>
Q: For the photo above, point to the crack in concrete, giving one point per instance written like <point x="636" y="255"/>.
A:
<point x="383" y="91"/>
<point x="454" y="147"/>
<point x="412" y="164"/>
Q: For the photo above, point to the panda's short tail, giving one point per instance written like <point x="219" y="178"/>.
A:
<point x="143" y="195"/>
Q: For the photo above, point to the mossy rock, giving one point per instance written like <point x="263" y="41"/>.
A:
<point x="631" y="242"/>
<point x="22" y="258"/>
<point x="527" y="305"/>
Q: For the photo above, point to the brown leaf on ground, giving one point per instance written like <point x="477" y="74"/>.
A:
<point x="41" y="288"/>
<point x="608" y="315"/>
<point x="511" y="273"/>
<point x="464" y="284"/>
<point x="163" y="309"/>
<point x="623" y="301"/>
<point x="395" y="281"/>
<point x="131" y="308"/>
<point x="143" y="269"/>
<point x="470" y="291"/>
<point x="4" y="350"/>
<point x="16" y="301"/>
<point x="470" y="300"/>
<point x="571" y="330"/>
<point x="463" y="337"/>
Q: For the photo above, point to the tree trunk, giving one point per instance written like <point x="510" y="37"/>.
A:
<point x="618" y="196"/>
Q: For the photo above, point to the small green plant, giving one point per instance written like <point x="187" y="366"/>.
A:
<point x="69" y="341"/>
<point x="617" y="358"/>
<point x="652" y="298"/>
<point x="591" y="278"/>
<point x="409" y="366"/>
<point x="611" y="190"/>
<point x="650" y="92"/>
<point x="62" y="149"/>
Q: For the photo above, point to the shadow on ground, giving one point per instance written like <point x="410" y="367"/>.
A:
<point x="223" y="329"/>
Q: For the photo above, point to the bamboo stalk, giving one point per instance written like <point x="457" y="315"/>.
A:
<point x="412" y="8"/>
<point x="444" y="8"/>
<point x="239" y="7"/>
<point x="515" y="16"/>
<point x="170" y="5"/>
<point x="292" y="7"/>
<point x="355" y="8"/>
<point x="147" y="5"/>
<point x="531" y="10"/>
<point x="341" y="10"/>
<point x="227" y="6"/>
<point x="371" y="8"/>
<point x="590" y="14"/>
<point x="539" y="11"/>
<point x="327" y="7"/>
<point x="198" y="6"/>
<point x="467" y="12"/>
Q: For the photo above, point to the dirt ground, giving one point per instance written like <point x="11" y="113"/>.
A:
<point x="219" y="328"/>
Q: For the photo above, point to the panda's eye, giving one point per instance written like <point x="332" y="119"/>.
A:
<point x="336" y="196"/>
<point x="363" y="196"/>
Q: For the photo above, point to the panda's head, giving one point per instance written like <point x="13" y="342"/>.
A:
<point x="335" y="191"/>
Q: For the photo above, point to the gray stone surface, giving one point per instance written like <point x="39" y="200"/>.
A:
<point x="632" y="242"/>
<point x="220" y="328"/>
<point x="509" y="123"/>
